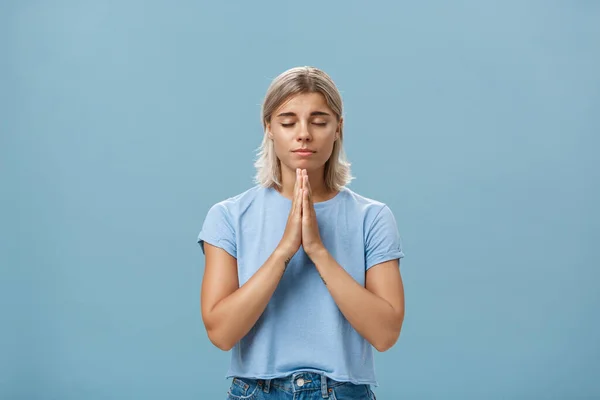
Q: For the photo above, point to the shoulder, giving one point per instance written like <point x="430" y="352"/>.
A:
<point x="380" y="231"/>
<point x="351" y="195"/>
<point x="370" y="209"/>
<point x="233" y="205"/>
<point x="219" y="227"/>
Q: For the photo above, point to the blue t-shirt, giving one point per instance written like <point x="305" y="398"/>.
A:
<point x="302" y="328"/>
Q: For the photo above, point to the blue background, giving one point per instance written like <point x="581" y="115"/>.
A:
<point x="121" y="122"/>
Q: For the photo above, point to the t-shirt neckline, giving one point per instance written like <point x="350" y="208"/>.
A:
<point x="320" y="204"/>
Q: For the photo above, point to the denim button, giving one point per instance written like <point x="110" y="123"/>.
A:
<point x="300" y="382"/>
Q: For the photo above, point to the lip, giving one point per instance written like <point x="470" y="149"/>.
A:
<point x="303" y="152"/>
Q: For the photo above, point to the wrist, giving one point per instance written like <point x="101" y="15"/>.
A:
<point x="284" y="254"/>
<point x="316" y="252"/>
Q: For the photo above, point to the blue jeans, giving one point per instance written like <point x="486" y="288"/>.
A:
<point x="299" y="386"/>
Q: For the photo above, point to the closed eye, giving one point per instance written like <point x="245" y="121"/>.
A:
<point x="314" y="123"/>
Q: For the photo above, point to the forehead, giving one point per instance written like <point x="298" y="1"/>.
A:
<point x="304" y="103"/>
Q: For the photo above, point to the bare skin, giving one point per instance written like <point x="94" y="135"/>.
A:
<point x="229" y="311"/>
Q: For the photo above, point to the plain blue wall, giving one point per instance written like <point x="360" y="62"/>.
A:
<point x="122" y="122"/>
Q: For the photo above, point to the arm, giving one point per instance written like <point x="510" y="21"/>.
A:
<point x="230" y="311"/>
<point x="375" y="311"/>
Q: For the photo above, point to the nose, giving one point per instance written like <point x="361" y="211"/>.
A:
<point x="303" y="134"/>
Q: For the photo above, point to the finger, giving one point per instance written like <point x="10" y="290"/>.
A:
<point x="297" y="184"/>
<point x="299" y="204"/>
<point x="308" y="188"/>
<point x="306" y="184"/>
<point x="305" y="204"/>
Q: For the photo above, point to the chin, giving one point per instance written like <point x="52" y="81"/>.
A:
<point x="308" y="165"/>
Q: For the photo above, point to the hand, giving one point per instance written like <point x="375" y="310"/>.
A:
<point x="311" y="239"/>
<point x="292" y="235"/>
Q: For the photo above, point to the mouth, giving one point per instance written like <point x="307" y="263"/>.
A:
<point x="303" y="152"/>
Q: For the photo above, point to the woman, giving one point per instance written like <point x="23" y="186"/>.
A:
<point x="302" y="274"/>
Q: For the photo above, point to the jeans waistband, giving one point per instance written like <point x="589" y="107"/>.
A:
<point x="301" y="381"/>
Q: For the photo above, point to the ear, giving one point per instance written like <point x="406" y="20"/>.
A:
<point x="268" y="131"/>
<point x="338" y="133"/>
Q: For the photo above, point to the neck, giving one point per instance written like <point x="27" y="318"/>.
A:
<point x="316" y="179"/>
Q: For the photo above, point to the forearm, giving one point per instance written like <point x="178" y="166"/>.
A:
<point x="371" y="316"/>
<point x="233" y="317"/>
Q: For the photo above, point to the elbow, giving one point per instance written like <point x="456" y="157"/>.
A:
<point x="219" y="340"/>
<point x="385" y="344"/>
<point x="224" y="346"/>
<point x="387" y="341"/>
<point x="216" y="335"/>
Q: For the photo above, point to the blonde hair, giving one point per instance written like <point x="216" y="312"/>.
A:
<point x="295" y="81"/>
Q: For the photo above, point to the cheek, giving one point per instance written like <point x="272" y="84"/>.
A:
<point x="328" y="146"/>
<point x="280" y="147"/>
<point x="277" y="142"/>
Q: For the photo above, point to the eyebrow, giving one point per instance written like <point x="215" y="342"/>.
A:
<point x="292" y="114"/>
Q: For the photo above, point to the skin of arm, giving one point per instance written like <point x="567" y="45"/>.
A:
<point x="376" y="311"/>
<point x="230" y="311"/>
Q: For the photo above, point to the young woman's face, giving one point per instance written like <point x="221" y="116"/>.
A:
<point x="303" y="131"/>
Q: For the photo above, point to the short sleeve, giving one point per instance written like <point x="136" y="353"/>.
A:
<point x="218" y="230"/>
<point x="383" y="241"/>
